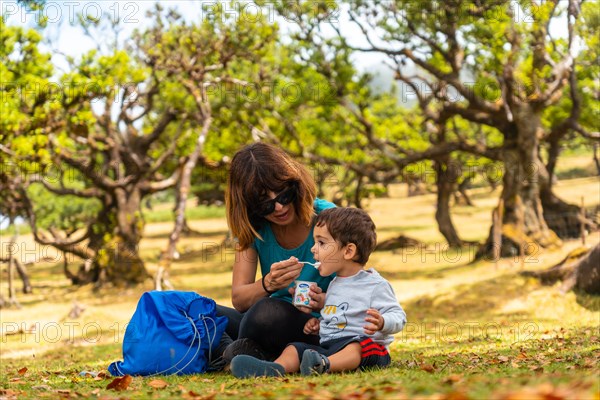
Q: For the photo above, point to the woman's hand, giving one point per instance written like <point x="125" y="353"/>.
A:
<point x="311" y="327"/>
<point x="375" y="322"/>
<point x="283" y="273"/>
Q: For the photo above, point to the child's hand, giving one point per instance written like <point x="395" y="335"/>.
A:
<point x="311" y="327"/>
<point x="375" y="322"/>
<point x="317" y="297"/>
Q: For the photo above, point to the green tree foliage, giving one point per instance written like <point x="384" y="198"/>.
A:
<point x="495" y="64"/>
<point x="123" y="124"/>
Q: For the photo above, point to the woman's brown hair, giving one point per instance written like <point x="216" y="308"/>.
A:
<point x="257" y="169"/>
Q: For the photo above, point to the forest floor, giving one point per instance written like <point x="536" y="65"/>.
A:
<point x="476" y="330"/>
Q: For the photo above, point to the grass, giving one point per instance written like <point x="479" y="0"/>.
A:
<point x="192" y="212"/>
<point x="476" y="330"/>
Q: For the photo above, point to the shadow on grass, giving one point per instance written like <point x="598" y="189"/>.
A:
<point x="420" y="274"/>
<point x="202" y="267"/>
<point x="403" y="228"/>
<point x="470" y="302"/>
<point x="588" y="301"/>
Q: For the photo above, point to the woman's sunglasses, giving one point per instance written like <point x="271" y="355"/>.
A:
<point x="284" y="198"/>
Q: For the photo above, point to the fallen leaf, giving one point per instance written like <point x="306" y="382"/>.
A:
<point x="502" y="359"/>
<point x="197" y="396"/>
<point x="120" y="383"/>
<point x="452" y="379"/>
<point x="158" y="384"/>
<point x="455" y="396"/>
<point x="96" y="392"/>
<point x="22" y="371"/>
<point x="427" y="367"/>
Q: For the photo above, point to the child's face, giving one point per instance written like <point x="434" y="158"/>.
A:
<point x="327" y="251"/>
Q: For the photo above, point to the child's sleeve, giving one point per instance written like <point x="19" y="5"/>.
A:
<point x="384" y="300"/>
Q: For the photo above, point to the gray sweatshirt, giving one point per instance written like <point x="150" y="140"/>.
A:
<point x="347" y="302"/>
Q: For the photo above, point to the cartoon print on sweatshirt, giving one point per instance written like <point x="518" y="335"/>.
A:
<point x="336" y="317"/>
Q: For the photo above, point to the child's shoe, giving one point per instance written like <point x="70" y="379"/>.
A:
<point x="314" y="363"/>
<point x="244" y="366"/>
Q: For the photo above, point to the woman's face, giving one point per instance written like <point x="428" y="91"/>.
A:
<point x="282" y="214"/>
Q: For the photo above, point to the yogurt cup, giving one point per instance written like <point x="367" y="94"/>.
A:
<point x="301" y="297"/>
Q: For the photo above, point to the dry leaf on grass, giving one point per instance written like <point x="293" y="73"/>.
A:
<point x="197" y="396"/>
<point x="120" y="383"/>
<point x="451" y="379"/>
<point x="428" y="368"/>
<point x="9" y="393"/>
<point x="158" y="384"/>
<point x="22" y="371"/>
<point x="546" y="391"/>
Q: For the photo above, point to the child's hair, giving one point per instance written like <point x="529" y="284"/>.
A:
<point x="255" y="170"/>
<point x="350" y="225"/>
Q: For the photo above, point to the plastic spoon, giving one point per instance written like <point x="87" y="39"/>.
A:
<point x="316" y="265"/>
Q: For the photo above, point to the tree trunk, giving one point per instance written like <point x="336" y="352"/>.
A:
<point x="579" y="270"/>
<point x="358" y="191"/>
<point x="24" y="277"/>
<point x="588" y="272"/>
<point x="12" y="295"/>
<point x="124" y="265"/>
<point x="461" y="196"/>
<point x="183" y="190"/>
<point x="445" y="182"/>
<point x="524" y="228"/>
<point x="114" y="244"/>
<point x="596" y="159"/>
<point x="563" y="218"/>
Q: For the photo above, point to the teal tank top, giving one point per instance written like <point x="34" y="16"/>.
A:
<point x="269" y="252"/>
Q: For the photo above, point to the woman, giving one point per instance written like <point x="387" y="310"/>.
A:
<point x="271" y="204"/>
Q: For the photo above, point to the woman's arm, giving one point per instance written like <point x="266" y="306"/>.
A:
<point x="245" y="291"/>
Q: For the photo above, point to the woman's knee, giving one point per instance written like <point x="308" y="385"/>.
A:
<point x="265" y="316"/>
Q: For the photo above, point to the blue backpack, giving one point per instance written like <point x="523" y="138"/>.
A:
<point x="170" y="332"/>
